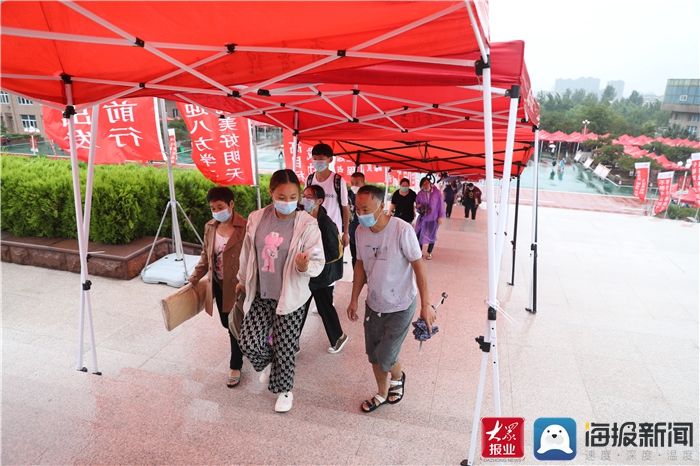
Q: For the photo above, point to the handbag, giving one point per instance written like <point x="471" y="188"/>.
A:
<point x="185" y="303"/>
<point x="235" y="317"/>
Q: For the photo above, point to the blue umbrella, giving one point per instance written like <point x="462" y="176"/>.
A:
<point x="420" y="328"/>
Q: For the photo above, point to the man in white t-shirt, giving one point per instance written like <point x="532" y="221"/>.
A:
<point x="336" y="203"/>
<point x="389" y="261"/>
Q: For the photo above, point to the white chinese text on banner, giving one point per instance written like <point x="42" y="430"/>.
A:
<point x="220" y="145"/>
<point x="127" y="131"/>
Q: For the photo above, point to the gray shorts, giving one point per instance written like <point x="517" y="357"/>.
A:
<point x="385" y="333"/>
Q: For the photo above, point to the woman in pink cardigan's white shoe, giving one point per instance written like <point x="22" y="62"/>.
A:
<point x="281" y="251"/>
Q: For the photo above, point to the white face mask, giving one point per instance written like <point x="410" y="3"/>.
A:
<point x="222" y="215"/>
<point x="354" y="189"/>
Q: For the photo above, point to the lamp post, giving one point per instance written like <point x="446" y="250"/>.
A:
<point x="682" y="189"/>
<point x="33" y="146"/>
<point x="585" y="126"/>
<point x="585" y="130"/>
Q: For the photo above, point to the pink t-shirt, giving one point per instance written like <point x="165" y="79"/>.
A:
<point x="219" y="246"/>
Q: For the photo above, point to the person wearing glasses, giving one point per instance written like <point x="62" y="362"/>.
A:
<point x="389" y="262"/>
<point x="322" y="286"/>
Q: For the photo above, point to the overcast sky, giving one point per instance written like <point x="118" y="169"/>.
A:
<point x="642" y="42"/>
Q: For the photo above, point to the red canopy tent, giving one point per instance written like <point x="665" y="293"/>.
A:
<point x="252" y="54"/>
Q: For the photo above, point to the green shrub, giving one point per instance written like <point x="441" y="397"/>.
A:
<point x="677" y="212"/>
<point x="128" y="200"/>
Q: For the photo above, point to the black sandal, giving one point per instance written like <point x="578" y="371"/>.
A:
<point x="368" y="406"/>
<point x="396" y="389"/>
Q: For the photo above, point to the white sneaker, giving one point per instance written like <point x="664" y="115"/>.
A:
<point x="338" y="347"/>
<point x="265" y="375"/>
<point x="284" y="402"/>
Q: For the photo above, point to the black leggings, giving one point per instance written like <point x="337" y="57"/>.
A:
<point x="328" y="313"/>
<point x="236" y="361"/>
<point x="470" y="208"/>
<point x="448" y="208"/>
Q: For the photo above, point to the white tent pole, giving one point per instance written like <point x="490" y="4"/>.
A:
<point x="90" y="170"/>
<point x="254" y="157"/>
<point x="295" y="143"/>
<point x="533" y="246"/>
<point x="86" y="218"/>
<point x="505" y="179"/>
<point x="487" y="342"/>
<point x="85" y="284"/>
<point x="179" y="254"/>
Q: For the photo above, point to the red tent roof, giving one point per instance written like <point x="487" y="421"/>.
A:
<point x="368" y="71"/>
<point x="116" y="46"/>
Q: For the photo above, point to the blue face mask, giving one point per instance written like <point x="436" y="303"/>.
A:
<point x="320" y="165"/>
<point x="368" y="220"/>
<point x="222" y="215"/>
<point x="309" y="204"/>
<point x="285" y="208"/>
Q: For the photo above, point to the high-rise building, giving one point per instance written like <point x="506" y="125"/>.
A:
<point x="682" y="99"/>
<point x="619" y="87"/>
<point x="590" y="85"/>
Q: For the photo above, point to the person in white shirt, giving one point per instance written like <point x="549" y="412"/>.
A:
<point x="336" y="203"/>
<point x="389" y="261"/>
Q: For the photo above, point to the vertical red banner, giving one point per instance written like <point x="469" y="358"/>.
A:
<point x="220" y="145"/>
<point x="127" y="131"/>
<point x="663" y="182"/>
<point x="301" y="164"/>
<point x="695" y="169"/>
<point x="641" y="180"/>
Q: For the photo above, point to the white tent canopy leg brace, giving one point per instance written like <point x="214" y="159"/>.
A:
<point x="514" y="94"/>
<point x="533" y="246"/>
<point x="83" y="228"/>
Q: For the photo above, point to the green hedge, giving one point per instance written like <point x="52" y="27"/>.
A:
<point x="677" y="212"/>
<point x="128" y="200"/>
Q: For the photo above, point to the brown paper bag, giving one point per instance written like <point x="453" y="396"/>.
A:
<point x="184" y="304"/>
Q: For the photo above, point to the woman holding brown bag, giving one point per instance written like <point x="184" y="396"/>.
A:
<point x="223" y="239"/>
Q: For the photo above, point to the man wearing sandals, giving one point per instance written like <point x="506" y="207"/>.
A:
<point x="389" y="260"/>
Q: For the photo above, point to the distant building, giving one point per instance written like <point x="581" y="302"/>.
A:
<point x="19" y="114"/>
<point x="682" y="99"/>
<point x="651" y="98"/>
<point x="590" y="85"/>
<point x="619" y="87"/>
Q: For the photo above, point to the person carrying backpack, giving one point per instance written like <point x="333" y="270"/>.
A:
<point x="334" y="186"/>
<point x="471" y="198"/>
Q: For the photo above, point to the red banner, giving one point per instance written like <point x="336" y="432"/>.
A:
<point x="663" y="182"/>
<point x="301" y="164"/>
<point x="220" y="145"/>
<point x="641" y="180"/>
<point x="127" y="130"/>
<point x="695" y="169"/>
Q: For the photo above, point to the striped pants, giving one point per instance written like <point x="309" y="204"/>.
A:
<point x="260" y="323"/>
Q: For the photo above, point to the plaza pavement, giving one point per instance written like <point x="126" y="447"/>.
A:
<point x="615" y="339"/>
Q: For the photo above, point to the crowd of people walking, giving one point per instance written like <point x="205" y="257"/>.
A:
<point x="265" y="270"/>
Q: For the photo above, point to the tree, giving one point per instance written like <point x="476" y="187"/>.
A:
<point x="608" y="95"/>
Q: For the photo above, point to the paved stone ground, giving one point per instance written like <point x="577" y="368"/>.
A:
<point x="615" y="339"/>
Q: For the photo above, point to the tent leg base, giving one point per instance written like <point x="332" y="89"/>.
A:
<point x="465" y="463"/>
<point x="531" y="311"/>
<point x="82" y="369"/>
<point x="97" y="373"/>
